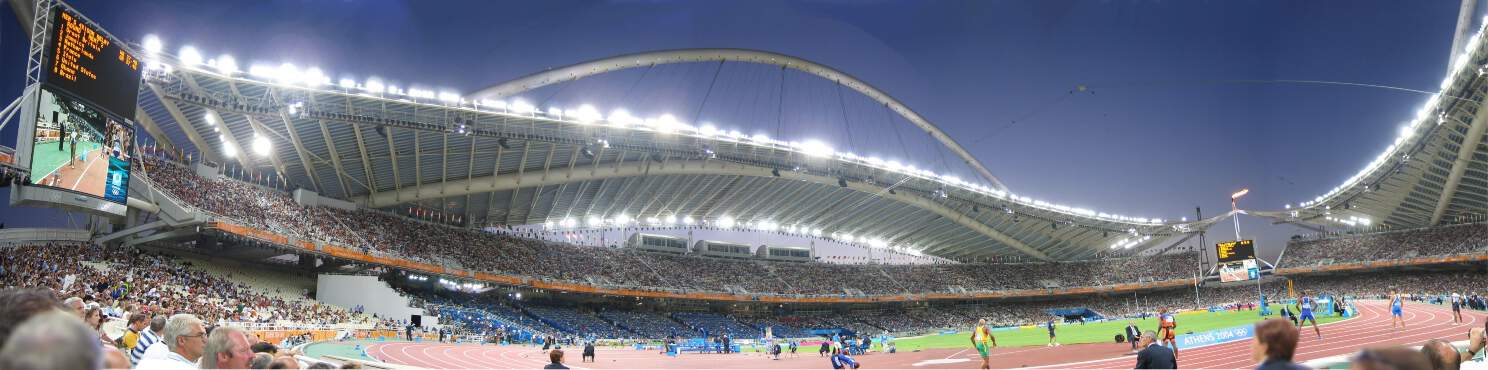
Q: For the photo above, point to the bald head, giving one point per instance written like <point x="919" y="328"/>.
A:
<point x="1442" y="355"/>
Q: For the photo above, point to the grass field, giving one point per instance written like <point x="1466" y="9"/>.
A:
<point x="47" y="159"/>
<point x="1089" y="333"/>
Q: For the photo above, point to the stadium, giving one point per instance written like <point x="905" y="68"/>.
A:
<point x="677" y="206"/>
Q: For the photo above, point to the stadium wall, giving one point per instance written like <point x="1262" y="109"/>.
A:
<point x="373" y="295"/>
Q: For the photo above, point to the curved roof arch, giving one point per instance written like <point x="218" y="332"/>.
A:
<point x="651" y="58"/>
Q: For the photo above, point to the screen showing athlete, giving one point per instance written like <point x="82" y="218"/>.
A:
<point x="1305" y="305"/>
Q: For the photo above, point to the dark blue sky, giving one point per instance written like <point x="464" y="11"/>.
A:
<point x="1156" y="138"/>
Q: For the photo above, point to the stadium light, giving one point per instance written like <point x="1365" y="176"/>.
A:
<point x="229" y="151"/>
<point x="569" y="222"/>
<point x="595" y="221"/>
<point x="226" y="65"/>
<point x="687" y="220"/>
<point x="189" y="56"/>
<point x="373" y="85"/>
<point x="667" y="123"/>
<point x="726" y="222"/>
<point x="287" y="74"/>
<point x="620" y="118"/>
<point x="671" y="220"/>
<point x="521" y="107"/>
<point x="449" y="97"/>
<point x="152" y="44"/>
<point x="586" y="114"/>
<point x="707" y="130"/>
<point x="815" y="148"/>
<point x="347" y="83"/>
<point x="313" y="77"/>
<point x="262" y="146"/>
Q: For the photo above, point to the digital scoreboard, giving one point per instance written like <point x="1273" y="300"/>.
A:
<point x="84" y="62"/>
<point x="80" y="122"/>
<point x="1235" y="251"/>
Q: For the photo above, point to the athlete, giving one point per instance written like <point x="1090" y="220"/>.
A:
<point x="982" y="339"/>
<point x="1305" y="306"/>
<point x="1166" y="324"/>
<point x="1397" y="308"/>
<point x="1053" y="341"/>
<point x="840" y="360"/>
<point x="1456" y="308"/>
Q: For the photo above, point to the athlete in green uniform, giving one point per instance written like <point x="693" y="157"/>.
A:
<point x="982" y="339"/>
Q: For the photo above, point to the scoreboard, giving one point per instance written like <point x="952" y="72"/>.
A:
<point x="80" y="119"/>
<point x="1235" y="251"/>
<point x="82" y="61"/>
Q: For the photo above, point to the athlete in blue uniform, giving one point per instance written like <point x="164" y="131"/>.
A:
<point x="1305" y="305"/>
<point x="1397" y="308"/>
<point x="840" y="360"/>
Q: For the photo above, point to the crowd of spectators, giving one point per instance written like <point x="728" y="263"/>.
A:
<point x="138" y="309"/>
<point x="1389" y="245"/>
<point x="506" y="251"/>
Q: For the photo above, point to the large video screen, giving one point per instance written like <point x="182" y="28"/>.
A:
<point x="1235" y="251"/>
<point x="77" y="147"/>
<point x="1239" y="271"/>
<point x="82" y="61"/>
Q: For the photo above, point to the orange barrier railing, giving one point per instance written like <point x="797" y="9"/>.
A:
<point x="1350" y="266"/>
<point x="356" y="255"/>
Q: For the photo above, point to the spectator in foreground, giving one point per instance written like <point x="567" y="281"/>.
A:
<point x="556" y="356"/>
<point x="185" y="337"/>
<point x="1390" y="358"/>
<point x="149" y="339"/>
<point x="260" y="361"/>
<point x="227" y="348"/>
<point x="1444" y="356"/>
<point x="1154" y="356"/>
<point x="1275" y="342"/>
<point x="284" y="362"/>
<point x="17" y="305"/>
<point x="36" y="344"/>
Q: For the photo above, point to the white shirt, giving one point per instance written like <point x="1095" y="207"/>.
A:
<point x="172" y="361"/>
<point x="157" y="351"/>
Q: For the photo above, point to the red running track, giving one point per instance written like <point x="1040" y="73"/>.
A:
<point x="1371" y="328"/>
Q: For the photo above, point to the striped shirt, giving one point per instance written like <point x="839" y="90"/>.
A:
<point x="146" y="338"/>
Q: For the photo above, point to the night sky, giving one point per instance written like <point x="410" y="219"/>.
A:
<point x="1157" y="132"/>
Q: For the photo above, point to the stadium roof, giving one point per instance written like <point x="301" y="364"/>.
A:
<point x="1435" y="172"/>
<point x="509" y="162"/>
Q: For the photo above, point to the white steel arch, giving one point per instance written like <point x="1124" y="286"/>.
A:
<point x="650" y="58"/>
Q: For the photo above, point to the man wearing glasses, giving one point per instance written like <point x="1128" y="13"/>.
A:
<point x="185" y="336"/>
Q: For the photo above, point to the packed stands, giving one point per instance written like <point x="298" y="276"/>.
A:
<point x="155" y="283"/>
<point x="1391" y="245"/>
<point x="507" y="252"/>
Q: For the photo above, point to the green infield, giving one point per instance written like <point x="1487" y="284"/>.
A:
<point x="1103" y="332"/>
<point x="47" y="159"/>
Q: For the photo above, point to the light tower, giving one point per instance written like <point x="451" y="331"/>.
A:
<point x="1234" y="207"/>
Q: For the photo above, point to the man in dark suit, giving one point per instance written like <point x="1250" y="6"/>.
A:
<point x="1154" y="356"/>
<point x="1132" y="334"/>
